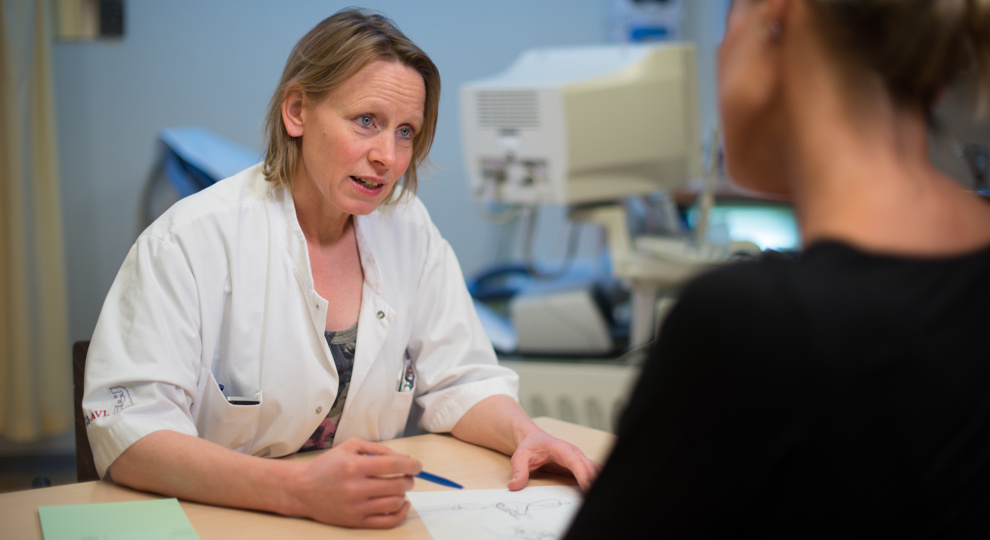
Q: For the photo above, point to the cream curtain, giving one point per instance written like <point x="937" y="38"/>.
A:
<point x="35" y="356"/>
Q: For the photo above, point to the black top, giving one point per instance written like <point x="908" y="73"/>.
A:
<point x="837" y="394"/>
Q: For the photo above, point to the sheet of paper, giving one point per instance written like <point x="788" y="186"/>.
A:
<point x="158" y="519"/>
<point x="535" y="513"/>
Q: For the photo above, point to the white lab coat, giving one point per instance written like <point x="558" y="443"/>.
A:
<point x="218" y="291"/>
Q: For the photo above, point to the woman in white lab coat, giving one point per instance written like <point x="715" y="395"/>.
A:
<point x="307" y="302"/>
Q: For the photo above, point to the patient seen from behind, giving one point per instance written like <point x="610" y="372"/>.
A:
<point x="844" y="392"/>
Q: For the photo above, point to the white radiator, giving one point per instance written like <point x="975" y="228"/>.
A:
<point x="588" y="394"/>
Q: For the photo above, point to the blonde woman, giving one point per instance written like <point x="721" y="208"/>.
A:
<point x="307" y="303"/>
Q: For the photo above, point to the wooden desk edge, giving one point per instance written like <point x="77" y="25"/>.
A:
<point x="19" y="510"/>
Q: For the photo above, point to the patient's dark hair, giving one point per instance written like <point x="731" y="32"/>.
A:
<point x="917" y="47"/>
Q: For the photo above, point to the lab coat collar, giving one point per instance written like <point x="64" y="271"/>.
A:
<point x="374" y="321"/>
<point x="372" y="274"/>
<point x="298" y="254"/>
<point x="375" y="317"/>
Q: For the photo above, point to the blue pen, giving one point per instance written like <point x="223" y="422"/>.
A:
<point x="438" y="480"/>
<point x="429" y="477"/>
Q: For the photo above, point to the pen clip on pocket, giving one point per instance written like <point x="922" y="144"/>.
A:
<point x="407" y="376"/>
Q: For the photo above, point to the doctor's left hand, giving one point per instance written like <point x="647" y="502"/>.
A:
<point x="539" y="450"/>
<point x="500" y="423"/>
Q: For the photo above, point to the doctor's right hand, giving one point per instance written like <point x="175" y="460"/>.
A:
<point x="347" y="486"/>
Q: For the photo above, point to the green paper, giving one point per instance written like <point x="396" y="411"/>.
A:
<point x="152" y="520"/>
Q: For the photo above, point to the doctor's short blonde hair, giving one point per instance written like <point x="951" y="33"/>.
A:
<point x="326" y="57"/>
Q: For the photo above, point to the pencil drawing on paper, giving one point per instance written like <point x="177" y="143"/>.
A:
<point x="516" y="509"/>
<point x="536" y="513"/>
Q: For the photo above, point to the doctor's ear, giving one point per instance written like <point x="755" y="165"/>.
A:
<point x="293" y="105"/>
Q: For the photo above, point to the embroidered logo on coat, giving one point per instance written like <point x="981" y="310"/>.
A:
<point x="121" y="398"/>
<point x="94" y="415"/>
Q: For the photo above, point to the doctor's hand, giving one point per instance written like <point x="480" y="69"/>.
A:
<point x="347" y="486"/>
<point x="539" y="450"/>
<point x="500" y="423"/>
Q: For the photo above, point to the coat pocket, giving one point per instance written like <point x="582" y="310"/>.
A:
<point x="231" y="425"/>
<point x="398" y="414"/>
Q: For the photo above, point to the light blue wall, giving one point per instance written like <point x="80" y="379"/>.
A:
<point x="215" y="62"/>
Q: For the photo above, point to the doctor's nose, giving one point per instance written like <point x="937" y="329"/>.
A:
<point x="382" y="152"/>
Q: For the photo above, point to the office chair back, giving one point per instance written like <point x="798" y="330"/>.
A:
<point x="85" y="466"/>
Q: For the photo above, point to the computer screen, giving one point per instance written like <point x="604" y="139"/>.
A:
<point x="768" y="225"/>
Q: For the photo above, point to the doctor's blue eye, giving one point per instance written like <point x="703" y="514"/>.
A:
<point x="365" y="120"/>
<point x="406" y="132"/>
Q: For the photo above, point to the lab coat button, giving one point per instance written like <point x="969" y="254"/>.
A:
<point x="381" y="314"/>
<point x="319" y="410"/>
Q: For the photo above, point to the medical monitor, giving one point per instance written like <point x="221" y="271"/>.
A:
<point x="583" y="124"/>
